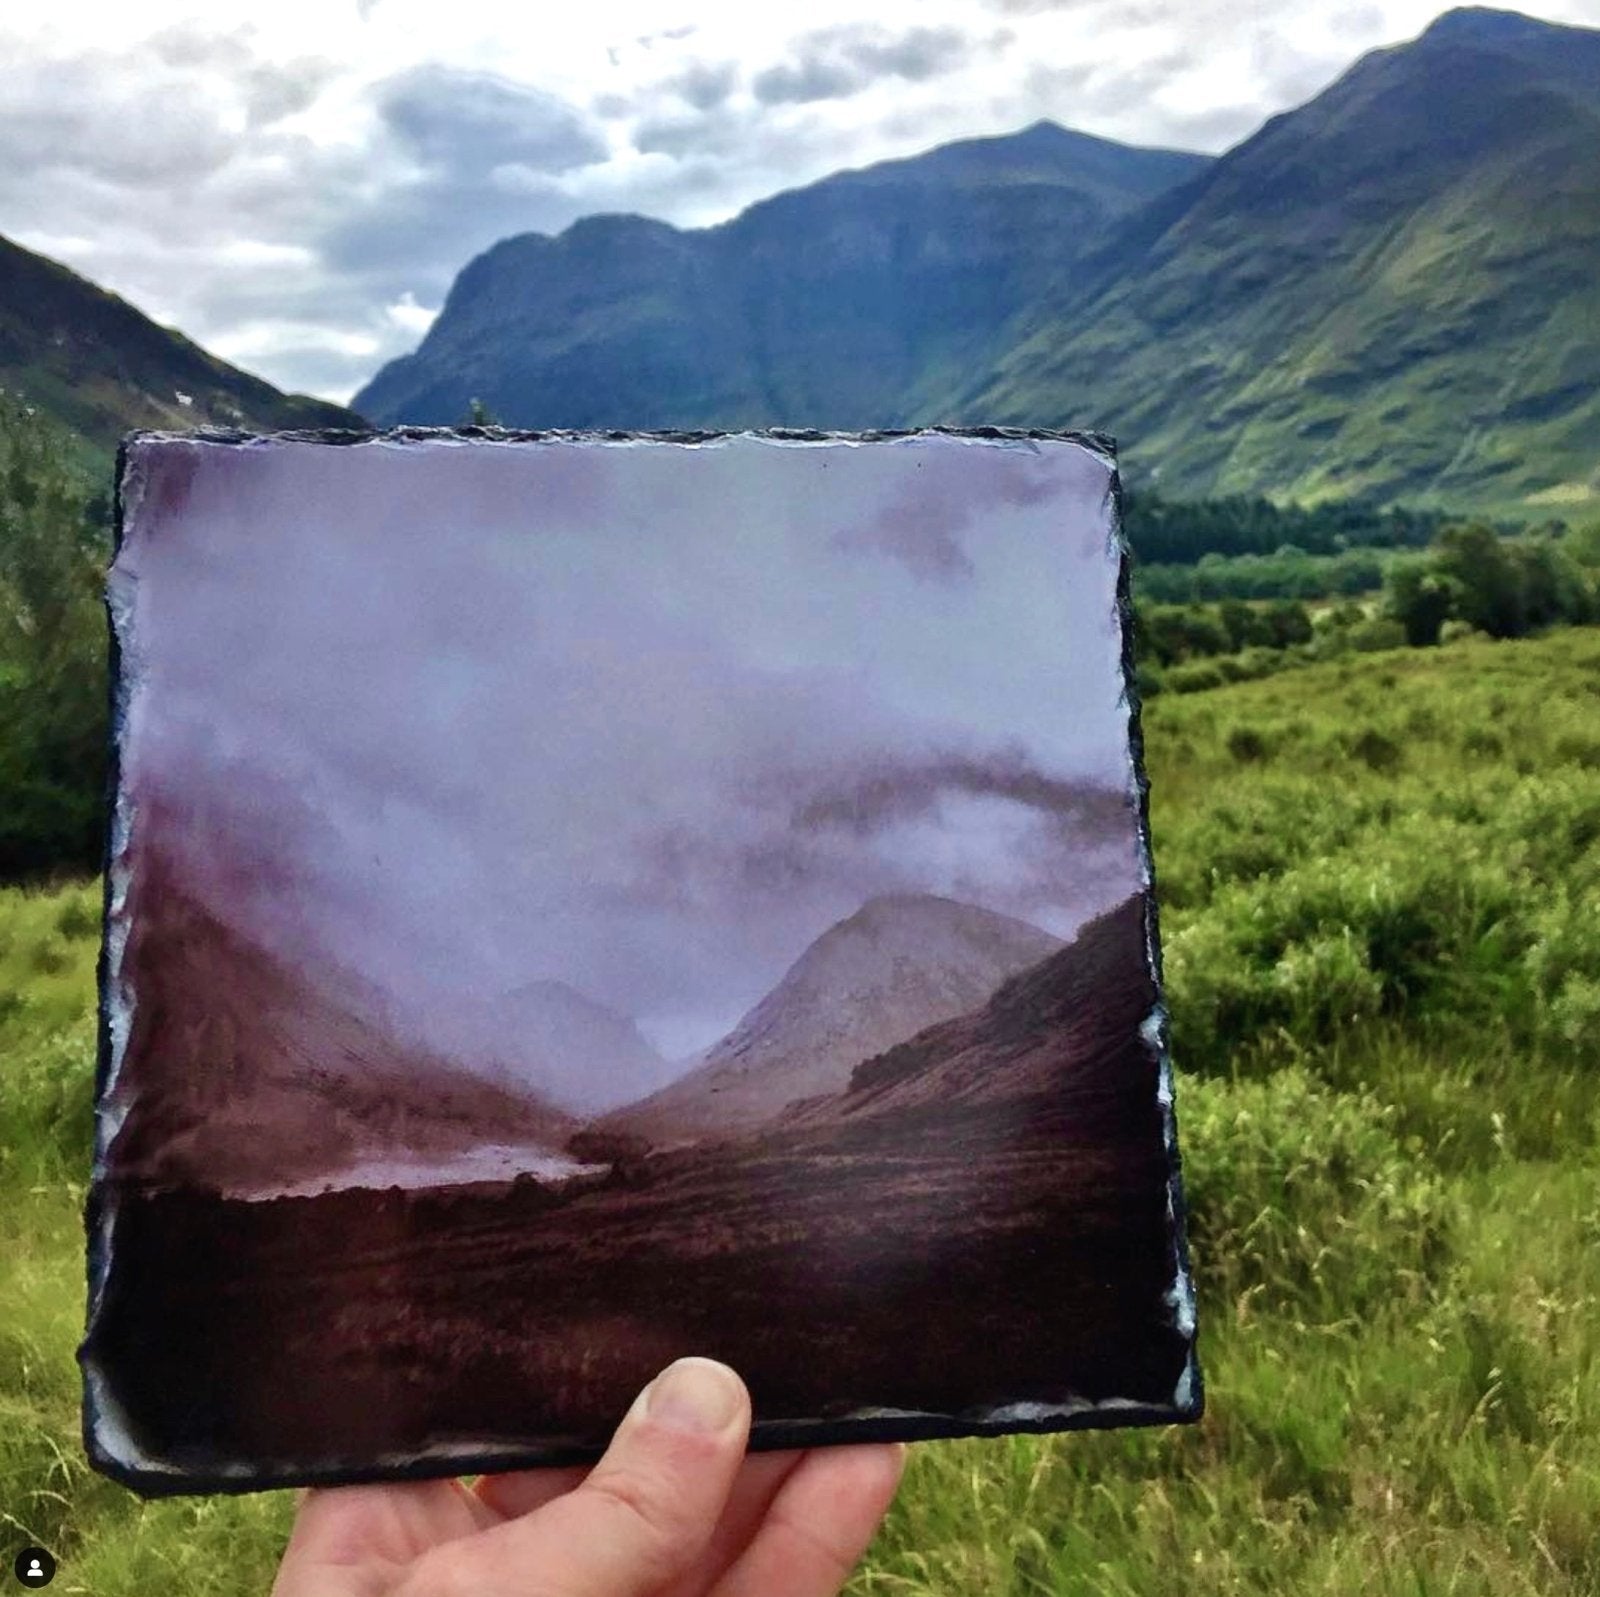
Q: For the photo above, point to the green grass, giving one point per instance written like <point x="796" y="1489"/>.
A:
<point x="1382" y="916"/>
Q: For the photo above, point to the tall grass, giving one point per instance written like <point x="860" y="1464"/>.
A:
<point x="1381" y="902"/>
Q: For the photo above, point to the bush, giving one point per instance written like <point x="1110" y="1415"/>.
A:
<point x="1247" y="745"/>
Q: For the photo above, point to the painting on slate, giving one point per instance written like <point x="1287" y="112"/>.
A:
<point x="580" y="900"/>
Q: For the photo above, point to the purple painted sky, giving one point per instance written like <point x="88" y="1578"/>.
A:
<point x="639" y="718"/>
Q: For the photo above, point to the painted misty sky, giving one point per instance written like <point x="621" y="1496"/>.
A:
<point x="640" y="718"/>
<point x="296" y="185"/>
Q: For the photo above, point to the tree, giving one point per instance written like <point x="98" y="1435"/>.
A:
<point x="1420" y="599"/>
<point x="53" y="717"/>
<point x="1486" y="578"/>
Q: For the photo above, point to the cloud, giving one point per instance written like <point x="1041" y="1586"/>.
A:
<point x="889" y="792"/>
<point x="922" y="527"/>
<point x="835" y="63"/>
<point x="705" y="84"/>
<point x="465" y="122"/>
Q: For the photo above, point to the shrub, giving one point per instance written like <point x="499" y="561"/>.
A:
<point x="1375" y="751"/>
<point x="1247" y="745"/>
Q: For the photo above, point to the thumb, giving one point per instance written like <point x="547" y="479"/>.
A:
<point x="645" y="1513"/>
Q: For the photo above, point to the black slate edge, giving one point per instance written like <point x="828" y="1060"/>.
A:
<point x="1130" y="678"/>
<point x="766" y="1436"/>
<point x="98" y="1261"/>
<point x="1098" y="442"/>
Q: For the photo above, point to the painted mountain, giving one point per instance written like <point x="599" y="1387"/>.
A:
<point x="573" y="1051"/>
<point x="1050" y="1028"/>
<point x="896" y="966"/>
<point x="102" y="368"/>
<point x="866" y="299"/>
<point x="1392" y="291"/>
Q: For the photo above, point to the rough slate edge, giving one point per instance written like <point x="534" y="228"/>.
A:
<point x="886" y="1426"/>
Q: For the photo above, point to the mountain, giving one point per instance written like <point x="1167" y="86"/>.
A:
<point x="574" y="1052"/>
<point x="101" y="368"/>
<point x="1075" y="1011"/>
<point x="243" y="1075"/>
<point x="897" y="965"/>
<point x="1393" y="291"/>
<point x="860" y="301"/>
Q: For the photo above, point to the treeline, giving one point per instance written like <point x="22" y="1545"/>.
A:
<point x="1169" y="532"/>
<point x="1290" y="573"/>
<point x="53" y="548"/>
<point x="1469" y="580"/>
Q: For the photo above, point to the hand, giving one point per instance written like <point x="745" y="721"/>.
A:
<point x="674" y="1509"/>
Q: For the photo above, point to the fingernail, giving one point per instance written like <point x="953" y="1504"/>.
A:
<point x="695" y="1395"/>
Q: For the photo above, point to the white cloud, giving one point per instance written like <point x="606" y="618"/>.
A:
<point x="299" y="181"/>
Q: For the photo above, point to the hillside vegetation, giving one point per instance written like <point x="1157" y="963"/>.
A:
<point x="1379" y="879"/>
<point x="99" y="367"/>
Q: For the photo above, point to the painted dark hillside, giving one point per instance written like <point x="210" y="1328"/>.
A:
<point x="1060" y="1018"/>
<point x="101" y="368"/>
<point x="1002" y="1192"/>
<point x="860" y="301"/>
<point x="258" y="1079"/>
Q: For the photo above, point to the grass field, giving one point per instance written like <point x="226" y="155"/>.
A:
<point x="1381" y="890"/>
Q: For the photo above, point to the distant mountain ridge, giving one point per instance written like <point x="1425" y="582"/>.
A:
<point x="100" y="368"/>
<point x="1391" y="292"/>
<point x="855" y="302"/>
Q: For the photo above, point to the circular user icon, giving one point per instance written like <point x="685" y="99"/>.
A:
<point x="35" y="1567"/>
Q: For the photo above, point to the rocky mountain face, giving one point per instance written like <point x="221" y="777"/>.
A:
<point x="101" y="368"/>
<point x="574" y="1052"/>
<point x="1392" y="291"/>
<point x="864" y="300"/>
<point x="898" y="965"/>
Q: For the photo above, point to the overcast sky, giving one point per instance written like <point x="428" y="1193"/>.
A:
<point x="641" y="719"/>
<point x="296" y="184"/>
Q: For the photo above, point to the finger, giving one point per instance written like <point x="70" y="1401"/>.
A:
<point x="640" y="1520"/>
<point x="341" y="1531"/>
<point x="819" y="1525"/>
<point x="760" y="1478"/>
<point x="522" y="1491"/>
<point x="757" y="1483"/>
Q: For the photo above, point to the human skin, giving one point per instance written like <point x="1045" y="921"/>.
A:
<point x="675" y="1508"/>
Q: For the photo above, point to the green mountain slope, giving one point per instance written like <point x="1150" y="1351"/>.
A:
<point x="864" y="300"/>
<point x="99" y="367"/>
<point x="1393" y="291"/>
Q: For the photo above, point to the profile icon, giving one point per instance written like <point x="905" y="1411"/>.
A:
<point x="34" y="1567"/>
